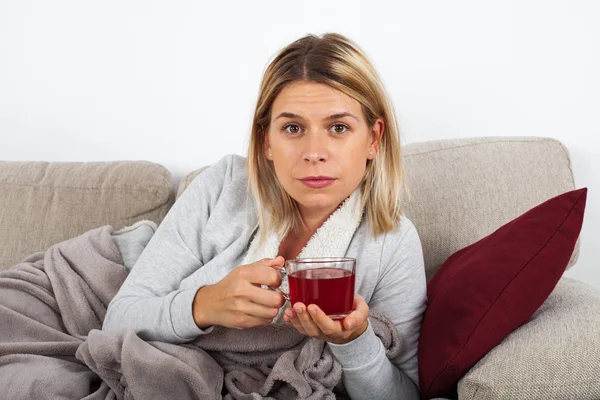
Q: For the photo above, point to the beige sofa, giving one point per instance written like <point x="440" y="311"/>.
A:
<point x="460" y="191"/>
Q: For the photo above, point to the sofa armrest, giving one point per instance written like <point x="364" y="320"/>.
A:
<point x="554" y="355"/>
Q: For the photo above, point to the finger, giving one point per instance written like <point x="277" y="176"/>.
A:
<point x="277" y="264"/>
<point x="262" y="274"/>
<point x="258" y="310"/>
<point x="359" y="315"/>
<point x="265" y="297"/>
<point x="241" y="321"/>
<point x="305" y="319"/>
<point x="273" y="262"/>
<point x="290" y="317"/>
<point x="327" y="325"/>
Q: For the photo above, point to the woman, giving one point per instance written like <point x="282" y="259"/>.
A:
<point x="323" y="177"/>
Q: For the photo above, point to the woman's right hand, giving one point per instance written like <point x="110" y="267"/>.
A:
<point x="238" y="301"/>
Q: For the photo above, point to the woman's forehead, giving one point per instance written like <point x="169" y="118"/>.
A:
<point x="312" y="100"/>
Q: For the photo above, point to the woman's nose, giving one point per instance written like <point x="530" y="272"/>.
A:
<point x="315" y="149"/>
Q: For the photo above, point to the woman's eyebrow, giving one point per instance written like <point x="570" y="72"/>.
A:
<point x="333" y="116"/>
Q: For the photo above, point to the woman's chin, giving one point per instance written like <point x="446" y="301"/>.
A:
<point x="318" y="202"/>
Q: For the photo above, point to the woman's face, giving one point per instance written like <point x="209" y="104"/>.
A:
<point x="319" y="143"/>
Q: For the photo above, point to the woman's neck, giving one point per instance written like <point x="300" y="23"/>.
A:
<point x="313" y="220"/>
<point x="295" y="240"/>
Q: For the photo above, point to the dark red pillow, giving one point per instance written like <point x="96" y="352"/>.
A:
<point x="488" y="289"/>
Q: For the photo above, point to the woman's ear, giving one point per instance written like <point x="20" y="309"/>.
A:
<point x="376" y="135"/>
<point x="267" y="147"/>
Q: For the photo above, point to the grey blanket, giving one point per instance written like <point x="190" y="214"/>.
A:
<point x="51" y="345"/>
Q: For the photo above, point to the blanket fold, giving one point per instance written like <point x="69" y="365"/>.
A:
<point x="52" y="305"/>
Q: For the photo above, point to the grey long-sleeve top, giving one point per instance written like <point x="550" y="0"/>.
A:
<point x="206" y="234"/>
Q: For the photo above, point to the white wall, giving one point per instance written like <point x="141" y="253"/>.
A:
<point x="175" y="81"/>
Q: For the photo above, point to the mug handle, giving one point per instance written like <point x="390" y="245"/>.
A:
<point x="283" y="274"/>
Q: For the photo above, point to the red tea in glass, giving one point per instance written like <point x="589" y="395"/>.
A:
<point x="326" y="282"/>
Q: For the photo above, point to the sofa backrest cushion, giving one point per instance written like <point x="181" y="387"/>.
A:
<point x="45" y="203"/>
<point x="462" y="190"/>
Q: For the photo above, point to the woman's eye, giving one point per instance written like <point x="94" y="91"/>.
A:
<point x="339" y="128"/>
<point x="291" y="128"/>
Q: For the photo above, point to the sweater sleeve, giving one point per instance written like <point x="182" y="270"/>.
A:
<point x="400" y="295"/>
<point x="150" y="301"/>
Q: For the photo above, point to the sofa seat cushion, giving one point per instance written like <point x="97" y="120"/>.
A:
<point x="553" y="356"/>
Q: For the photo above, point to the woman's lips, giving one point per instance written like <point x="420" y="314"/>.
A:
<point x="317" y="182"/>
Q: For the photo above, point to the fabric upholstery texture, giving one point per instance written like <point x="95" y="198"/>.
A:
<point x="554" y="356"/>
<point x="45" y="203"/>
<point x="488" y="289"/>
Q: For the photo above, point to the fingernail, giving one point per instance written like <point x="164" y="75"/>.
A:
<point x="312" y="311"/>
<point x="298" y="310"/>
<point x="350" y="323"/>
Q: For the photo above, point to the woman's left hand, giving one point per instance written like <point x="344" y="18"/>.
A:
<point x="312" y="321"/>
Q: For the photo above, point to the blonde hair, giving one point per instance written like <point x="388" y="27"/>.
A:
<point x="336" y="61"/>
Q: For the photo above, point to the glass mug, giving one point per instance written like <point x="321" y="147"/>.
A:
<point x="327" y="282"/>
